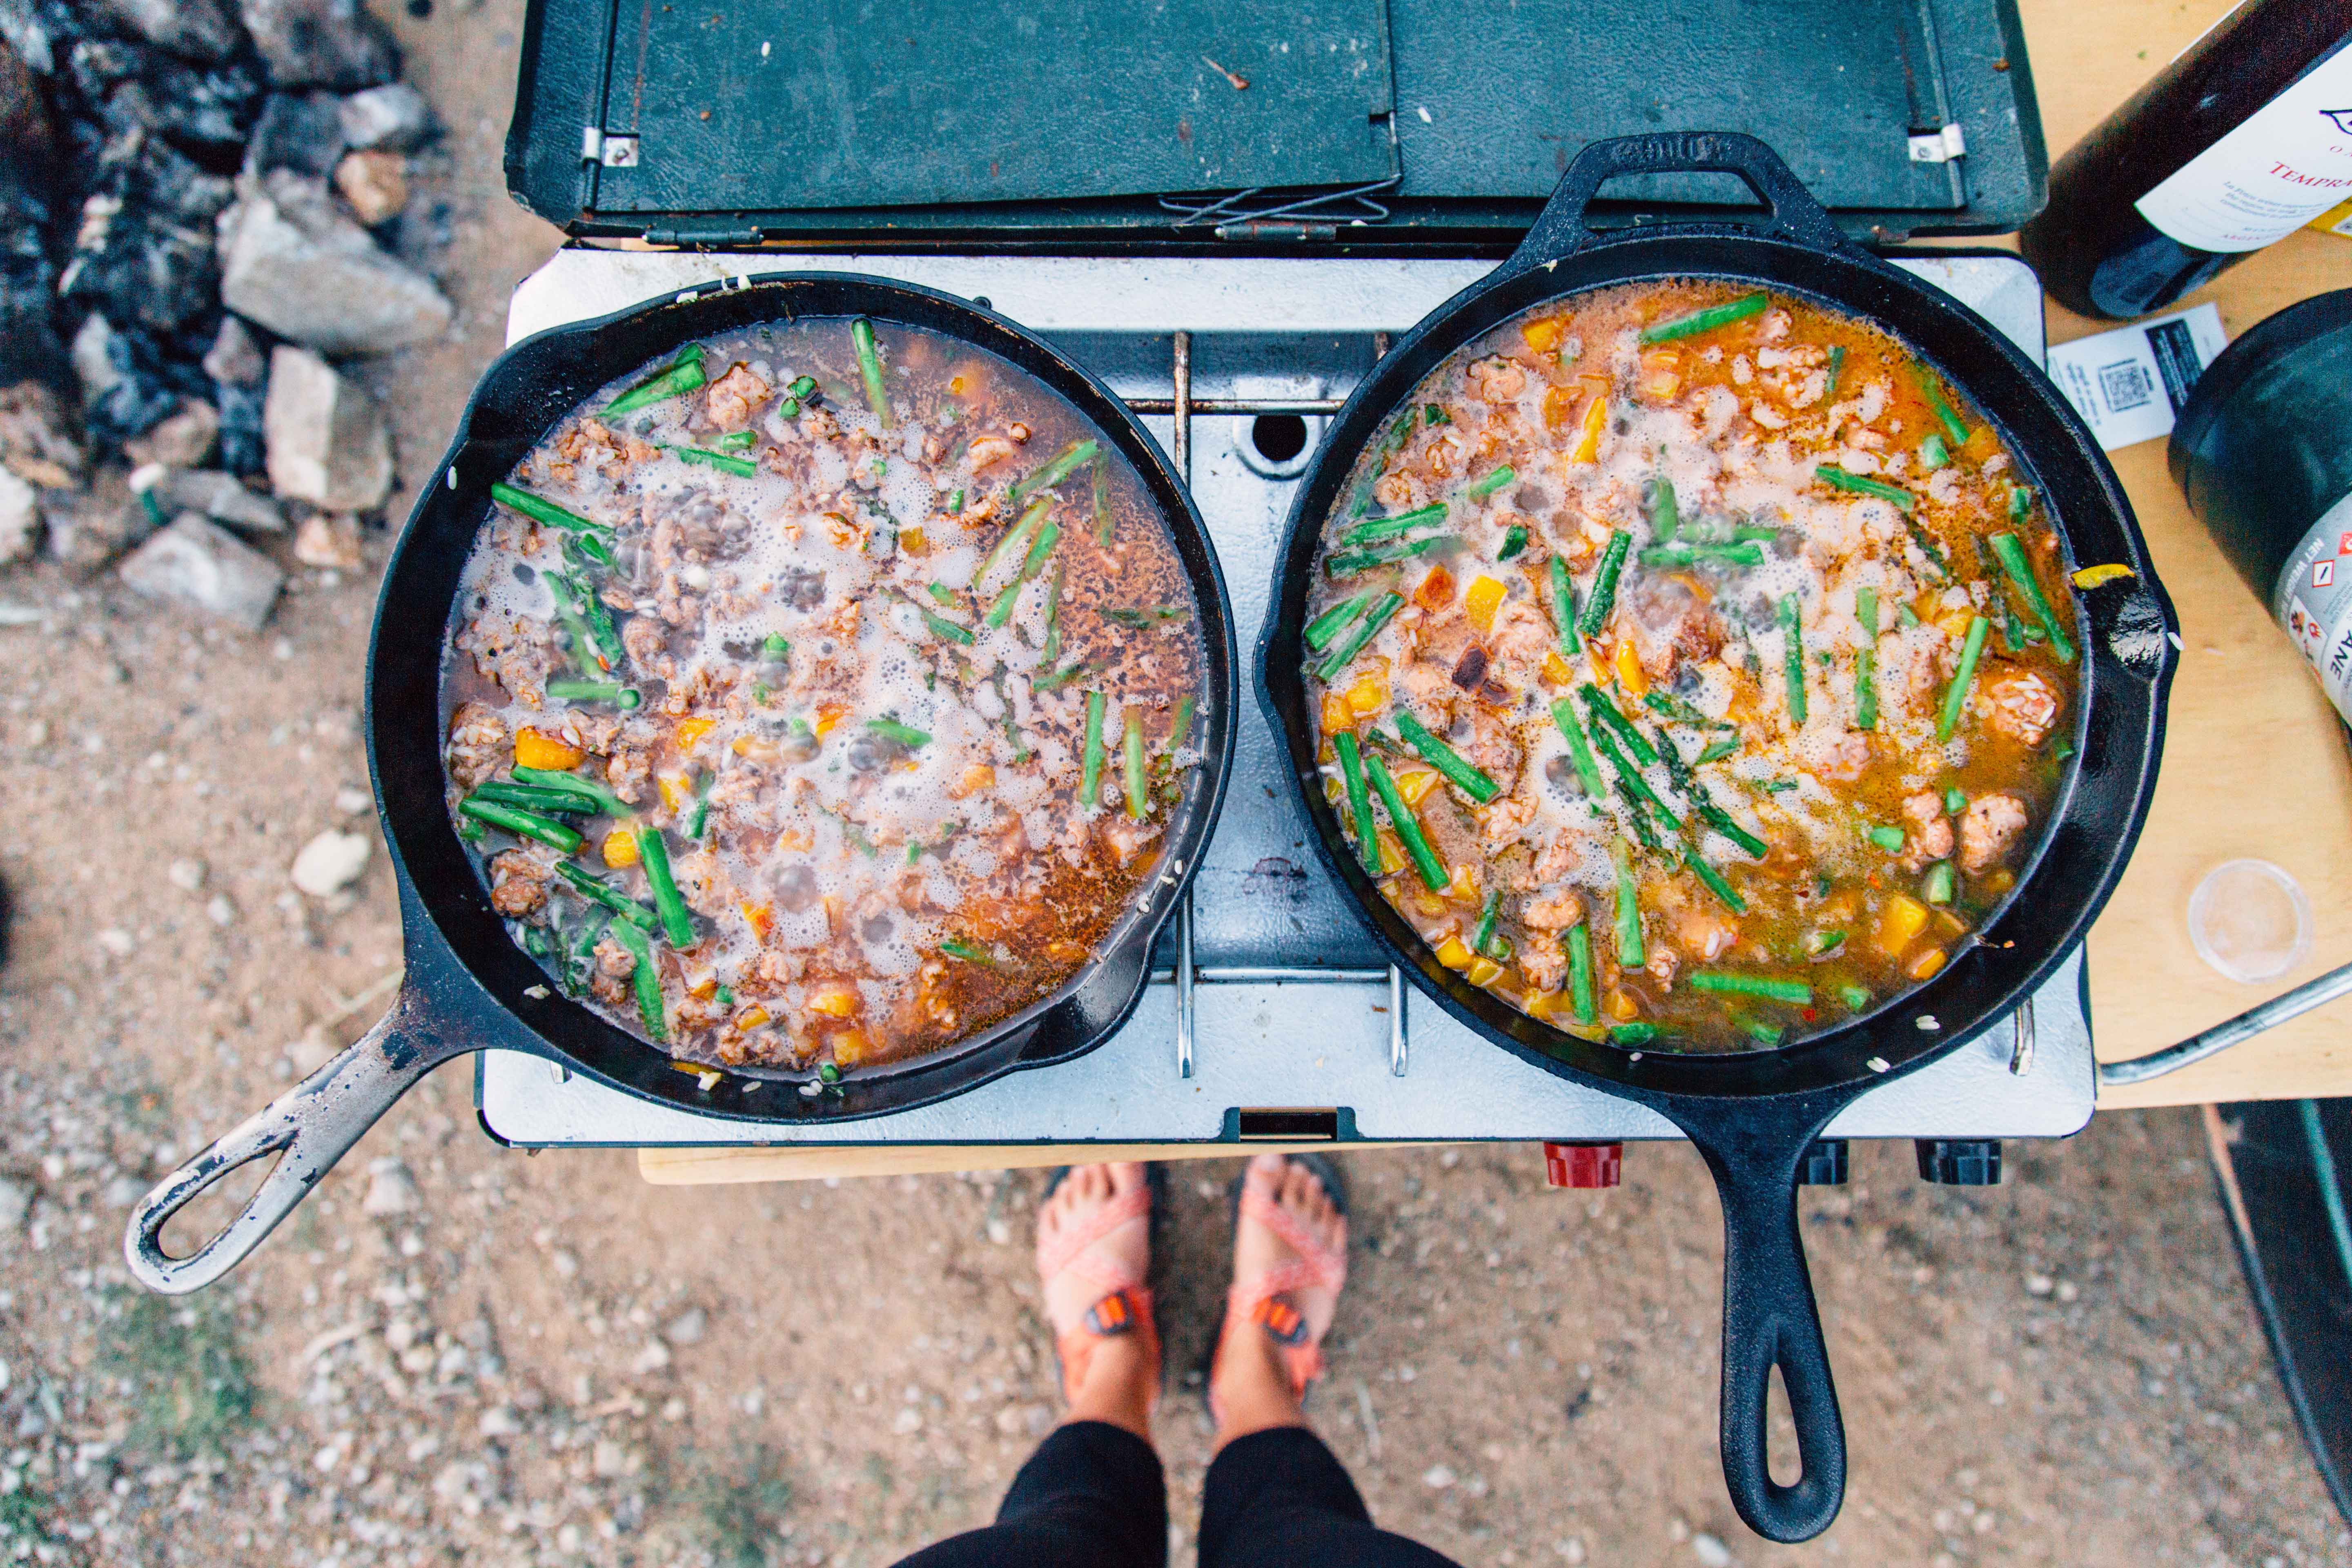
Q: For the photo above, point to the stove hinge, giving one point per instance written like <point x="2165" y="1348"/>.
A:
<point x="707" y="236"/>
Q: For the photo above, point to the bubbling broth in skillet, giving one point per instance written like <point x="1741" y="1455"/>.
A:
<point x="1694" y="668"/>
<point x="819" y="697"/>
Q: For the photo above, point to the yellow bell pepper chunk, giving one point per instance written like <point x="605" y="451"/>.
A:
<point x="1925" y="965"/>
<point x="1337" y="714"/>
<point x="1596" y="420"/>
<point x="1557" y="670"/>
<point x="691" y="731"/>
<point x="620" y="848"/>
<point x="828" y="714"/>
<point x="1629" y="668"/>
<point x="1900" y="923"/>
<point x="752" y="1018"/>
<point x="1464" y="885"/>
<point x="676" y="792"/>
<point x="1414" y="782"/>
<point x="537" y="749"/>
<point x="1333" y="788"/>
<point x="1485" y="598"/>
<point x="1454" y="953"/>
<point x="1482" y="971"/>
<point x="1368" y="695"/>
<point x="1393" y="855"/>
<point x="833" y="1002"/>
<point x="2091" y="577"/>
<point x="1601" y="670"/>
<point x="849" y="1047"/>
<point x="1542" y="334"/>
<point x="1622" y="1007"/>
<point x="911" y="541"/>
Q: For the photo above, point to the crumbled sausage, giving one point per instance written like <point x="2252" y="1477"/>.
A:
<point x="1991" y="826"/>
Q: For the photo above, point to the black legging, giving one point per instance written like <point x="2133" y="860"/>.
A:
<point x="1092" y="1496"/>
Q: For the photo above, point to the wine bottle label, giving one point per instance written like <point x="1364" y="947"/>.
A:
<point x="2282" y="166"/>
<point x="2313" y="601"/>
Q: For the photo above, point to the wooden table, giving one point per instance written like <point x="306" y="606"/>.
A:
<point x="2254" y="763"/>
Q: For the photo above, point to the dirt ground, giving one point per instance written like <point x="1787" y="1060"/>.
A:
<point x="458" y="1354"/>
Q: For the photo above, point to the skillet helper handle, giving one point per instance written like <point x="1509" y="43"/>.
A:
<point x="311" y="1126"/>
<point x="1770" y="1318"/>
<point x="1559" y="230"/>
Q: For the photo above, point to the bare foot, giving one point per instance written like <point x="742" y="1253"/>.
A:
<point x="1251" y="1388"/>
<point x="1120" y="1378"/>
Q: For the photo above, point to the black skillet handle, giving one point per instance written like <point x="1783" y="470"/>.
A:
<point x="1792" y="214"/>
<point x="312" y="1125"/>
<point x="1770" y="1316"/>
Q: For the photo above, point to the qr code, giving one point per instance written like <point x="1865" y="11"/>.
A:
<point x="2127" y="386"/>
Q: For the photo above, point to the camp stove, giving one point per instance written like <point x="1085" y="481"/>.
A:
<point x="1272" y="1012"/>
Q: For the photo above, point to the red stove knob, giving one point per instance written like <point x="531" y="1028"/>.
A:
<point x="1583" y="1165"/>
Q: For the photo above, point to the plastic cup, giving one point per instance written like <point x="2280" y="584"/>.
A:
<point x="2249" y="920"/>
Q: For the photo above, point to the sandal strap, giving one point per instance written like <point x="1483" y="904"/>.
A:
<point x="1065" y="1253"/>
<point x="1318" y="1263"/>
<point x="1127" y="1311"/>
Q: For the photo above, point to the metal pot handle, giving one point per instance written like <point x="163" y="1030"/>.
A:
<point x="312" y="1125"/>
<point x="1559" y="230"/>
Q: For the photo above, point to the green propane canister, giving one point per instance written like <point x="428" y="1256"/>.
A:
<point x="2264" y="450"/>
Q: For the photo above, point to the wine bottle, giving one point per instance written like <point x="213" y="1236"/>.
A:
<point x="2245" y="137"/>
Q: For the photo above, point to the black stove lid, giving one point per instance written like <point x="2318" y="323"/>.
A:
<point x="1001" y="124"/>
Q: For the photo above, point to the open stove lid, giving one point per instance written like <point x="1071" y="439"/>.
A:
<point x="1429" y="126"/>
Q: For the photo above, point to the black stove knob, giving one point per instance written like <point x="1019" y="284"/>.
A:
<point x="1823" y="1165"/>
<point x="1959" y="1161"/>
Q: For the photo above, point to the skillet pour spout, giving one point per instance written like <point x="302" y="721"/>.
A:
<point x="466" y="985"/>
<point x="1751" y="1115"/>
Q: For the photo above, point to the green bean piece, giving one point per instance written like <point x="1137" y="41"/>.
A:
<point x="1764" y="1034"/>
<point x="1630" y="777"/>
<point x="737" y="441"/>
<point x="1433" y="416"/>
<point x="524" y="824"/>
<point x="1580" y="972"/>
<point x="596" y="888"/>
<point x="2020" y="572"/>
<point x="802" y="386"/>
<point x="1073" y="458"/>
<point x="1722" y="889"/>
<point x="647" y="981"/>
<point x="1792" y="656"/>
<point x="1676" y="556"/>
<point x="1515" y="540"/>
<point x="1050" y="653"/>
<point x="1887" y="838"/>
<point x="1716" y="751"/>
<point x="1106" y="526"/>
<point x="1704" y="804"/>
<point x="1643" y="827"/>
<point x="1933" y="454"/>
<point x="1665" y="510"/>
<point x="1445" y="759"/>
<point x="1837" y="368"/>
<point x="1955" y="803"/>
<point x="1862" y="484"/>
<point x="1403" y="522"/>
<point x="1132" y="759"/>
<point x="1708" y="319"/>
<point x="1667" y="705"/>
<point x="1632" y="1034"/>
<point x="1726" y="983"/>
<point x="1001" y="611"/>
<point x="1335" y="620"/>
<point x="956" y="948"/>
<point x="1630" y="951"/>
<point x="625" y="698"/>
<point x="1854" y="997"/>
<point x="1355" y="641"/>
<point x="1365" y="560"/>
<point x="1483" y="935"/>
<point x="540" y="509"/>
<point x="1954" y="426"/>
<point x="869" y="369"/>
<point x="591" y="624"/>
<point x="681" y="376"/>
<point x="1054" y="681"/>
<point x="1563" y="713"/>
<point x="1180" y="725"/>
<point x="1957" y="699"/>
<point x="943" y="627"/>
<point x="1939" y="887"/>
<point x="1906" y="616"/>
<point x="539" y="799"/>
<point x="580" y="950"/>
<point x="1604" y="584"/>
<point x="743" y="468"/>
<point x="955" y="502"/>
<point x="1360" y="801"/>
<point x="1015" y="540"/>
<point x="1493" y="482"/>
<point x="700" y="818"/>
<point x="790" y="408"/>
<point x="1408" y="827"/>
<point x="1145" y="616"/>
<point x="1865" y="610"/>
<point x="1090" y="785"/>
<point x="653" y="854"/>
<point x="1563" y="609"/>
<point x="905" y="735"/>
<point x="576" y="784"/>
<point x="1606" y="712"/>
<point x="1865" y="688"/>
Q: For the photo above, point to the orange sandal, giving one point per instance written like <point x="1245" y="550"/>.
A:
<point x="1264" y="1300"/>
<point x="1125" y="1305"/>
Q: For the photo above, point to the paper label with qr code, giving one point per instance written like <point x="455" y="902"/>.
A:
<point x="2129" y="384"/>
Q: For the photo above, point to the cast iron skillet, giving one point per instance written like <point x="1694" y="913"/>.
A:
<point x="1752" y="1115"/>
<point x="467" y="986"/>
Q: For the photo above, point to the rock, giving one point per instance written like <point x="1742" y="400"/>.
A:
<point x="907" y="1422"/>
<point x="234" y="358"/>
<point x="143" y="250"/>
<point x="20" y="517"/>
<point x="299" y="131"/>
<point x="390" y="1189"/>
<point x="118" y="941"/>
<point x="375" y="183"/>
<point x="130" y="379"/>
<point x="209" y="109"/>
<point x="688" y="1327"/>
<point x="36" y="443"/>
<point x="499" y="1421"/>
<point x="1710" y="1552"/>
<point x="292" y="262"/>
<point x="609" y="1460"/>
<point x="93" y="356"/>
<point x="1437" y="1477"/>
<point x="328" y="443"/>
<point x="654" y="1358"/>
<point x="16" y="1200"/>
<point x="188" y="876"/>
<point x="329" y="540"/>
<point x="204" y="566"/>
<point x="321" y="43"/>
<point x="194" y="29"/>
<point x="87" y="528"/>
<point x="220" y="912"/>
<point x="221" y="498"/>
<point x="182" y="440"/>
<point x="331" y="862"/>
<point x="394" y="117"/>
